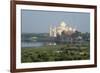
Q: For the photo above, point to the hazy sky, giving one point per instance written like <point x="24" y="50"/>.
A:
<point x="35" y="21"/>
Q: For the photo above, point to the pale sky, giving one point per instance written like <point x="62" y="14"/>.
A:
<point x="36" y="21"/>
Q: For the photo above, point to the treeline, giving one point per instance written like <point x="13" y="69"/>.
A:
<point x="29" y="37"/>
<point x="56" y="53"/>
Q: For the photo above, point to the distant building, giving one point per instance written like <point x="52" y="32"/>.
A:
<point x="63" y="27"/>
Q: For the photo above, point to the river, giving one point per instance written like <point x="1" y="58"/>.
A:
<point x="31" y="44"/>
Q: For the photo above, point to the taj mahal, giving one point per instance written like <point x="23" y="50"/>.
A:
<point x="58" y="30"/>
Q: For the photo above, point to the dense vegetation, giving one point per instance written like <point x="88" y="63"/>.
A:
<point x="59" y="52"/>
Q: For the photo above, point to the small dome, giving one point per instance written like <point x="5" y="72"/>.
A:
<point x="74" y="30"/>
<point x="70" y="29"/>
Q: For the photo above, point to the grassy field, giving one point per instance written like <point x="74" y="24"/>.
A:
<point x="59" y="52"/>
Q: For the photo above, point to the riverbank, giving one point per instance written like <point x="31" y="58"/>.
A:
<point x="56" y="53"/>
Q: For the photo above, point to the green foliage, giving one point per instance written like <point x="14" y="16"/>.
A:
<point x="56" y="53"/>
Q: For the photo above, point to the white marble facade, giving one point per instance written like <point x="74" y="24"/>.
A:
<point x="63" y="27"/>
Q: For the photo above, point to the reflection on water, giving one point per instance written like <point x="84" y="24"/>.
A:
<point x="31" y="44"/>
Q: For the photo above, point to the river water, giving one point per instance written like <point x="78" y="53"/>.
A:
<point x="31" y="44"/>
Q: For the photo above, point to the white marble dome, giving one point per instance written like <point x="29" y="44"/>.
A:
<point x="59" y="29"/>
<point x="63" y="24"/>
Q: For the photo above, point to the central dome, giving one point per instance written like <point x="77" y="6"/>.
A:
<point x="62" y="24"/>
<point x="62" y="27"/>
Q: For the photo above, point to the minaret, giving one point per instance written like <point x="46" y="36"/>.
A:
<point x="50" y="31"/>
<point x="55" y="32"/>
